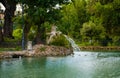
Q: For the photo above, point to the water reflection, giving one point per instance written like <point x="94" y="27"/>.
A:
<point x="80" y="65"/>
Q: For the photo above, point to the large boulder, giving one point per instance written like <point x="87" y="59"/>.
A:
<point x="46" y="50"/>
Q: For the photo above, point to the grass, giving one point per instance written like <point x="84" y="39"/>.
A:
<point x="42" y="49"/>
<point x="11" y="49"/>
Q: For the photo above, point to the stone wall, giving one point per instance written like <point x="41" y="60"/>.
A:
<point x="100" y="48"/>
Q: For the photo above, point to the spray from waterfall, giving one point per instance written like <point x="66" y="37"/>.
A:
<point x="73" y="44"/>
<point x="54" y="32"/>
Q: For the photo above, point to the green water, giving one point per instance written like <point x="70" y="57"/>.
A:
<point x="79" y="65"/>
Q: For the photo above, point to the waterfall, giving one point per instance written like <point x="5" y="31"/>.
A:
<point x="73" y="44"/>
<point x="54" y="32"/>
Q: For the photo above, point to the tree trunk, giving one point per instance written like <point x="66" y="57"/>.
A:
<point x="1" y="36"/>
<point x="9" y="14"/>
<point x="26" y="30"/>
<point x="40" y="36"/>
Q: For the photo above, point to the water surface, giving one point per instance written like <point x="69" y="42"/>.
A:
<point x="79" y="65"/>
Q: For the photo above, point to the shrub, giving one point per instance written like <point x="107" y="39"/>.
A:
<point x="60" y="40"/>
<point x="42" y="49"/>
<point x="17" y="33"/>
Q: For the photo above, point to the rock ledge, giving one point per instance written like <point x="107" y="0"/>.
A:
<point x="38" y="50"/>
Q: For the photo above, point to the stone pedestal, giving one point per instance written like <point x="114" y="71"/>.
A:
<point x="29" y="45"/>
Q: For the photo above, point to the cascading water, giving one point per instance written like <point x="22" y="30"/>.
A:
<point x="73" y="44"/>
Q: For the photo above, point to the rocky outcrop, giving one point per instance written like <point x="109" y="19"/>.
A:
<point x="38" y="50"/>
<point x="45" y="50"/>
<point x="13" y="54"/>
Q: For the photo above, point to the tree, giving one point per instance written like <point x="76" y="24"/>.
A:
<point x="1" y="23"/>
<point x="41" y="11"/>
<point x="1" y="36"/>
<point x="74" y="15"/>
<point x="10" y="6"/>
<point x="106" y="12"/>
<point x="110" y="17"/>
<point x="38" y="10"/>
<point x="92" y="32"/>
<point x="69" y="23"/>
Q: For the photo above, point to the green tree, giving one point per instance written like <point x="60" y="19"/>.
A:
<point x="107" y="13"/>
<point x="1" y="36"/>
<point x="74" y="15"/>
<point x="69" y="22"/>
<point x="92" y="32"/>
<point x="41" y="11"/>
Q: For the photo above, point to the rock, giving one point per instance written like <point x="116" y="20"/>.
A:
<point x="39" y="50"/>
<point x="52" y="50"/>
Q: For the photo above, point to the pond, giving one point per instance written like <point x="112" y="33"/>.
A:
<point x="79" y="65"/>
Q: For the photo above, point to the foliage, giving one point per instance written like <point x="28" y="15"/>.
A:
<point x="116" y="41"/>
<point x="89" y="22"/>
<point x="74" y="15"/>
<point x="60" y="40"/>
<point x="92" y="32"/>
<point x="92" y="21"/>
<point x="32" y="33"/>
<point x="11" y="49"/>
<point x="69" y="20"/>
<point x="42" y="49"/>
<point x="47" y="26"/>
<point x="42" y="11"/>
<point x="17" y="33"/>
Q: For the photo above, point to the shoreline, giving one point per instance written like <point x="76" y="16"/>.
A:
<point x="38" y="51"/>
<point x="45" y="50"/>
<point x="100" y="48"/>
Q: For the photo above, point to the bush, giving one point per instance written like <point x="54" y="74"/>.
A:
<point x="60" y="40"/>
<point x="42" y="49"/>
<point x="17" y="33"/>
<point x="31" y="36"/>
<point x="116" y="41"/>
